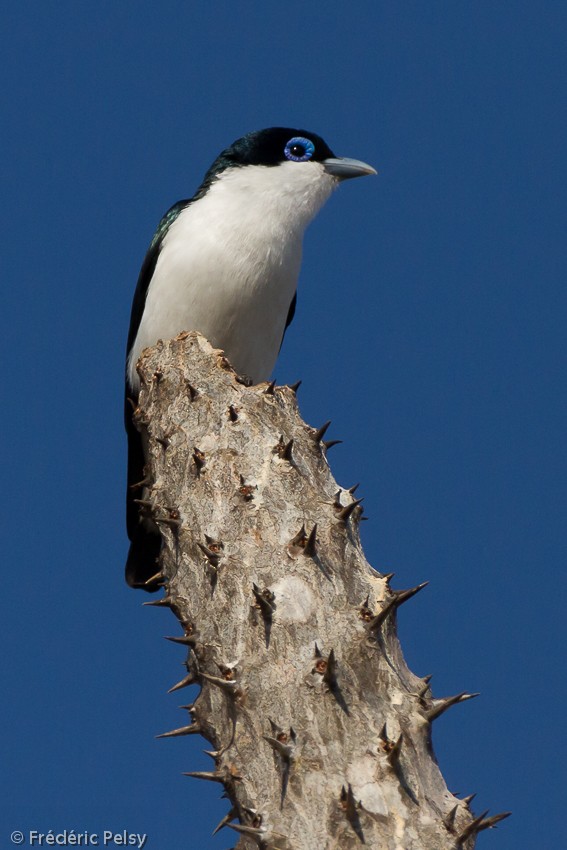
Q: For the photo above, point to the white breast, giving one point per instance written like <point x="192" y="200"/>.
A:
<point x="229" y="264"/>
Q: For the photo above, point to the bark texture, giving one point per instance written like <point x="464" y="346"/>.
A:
<point x="320" y="733"/>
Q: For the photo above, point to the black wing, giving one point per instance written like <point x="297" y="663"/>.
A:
<point x="144" y="545"/>
<point x="290" y="315"/>
<point x="147" y="271"/>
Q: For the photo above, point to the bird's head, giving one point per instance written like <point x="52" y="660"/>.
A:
<point x="284" y="166"/>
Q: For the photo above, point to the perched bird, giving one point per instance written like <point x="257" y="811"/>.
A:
<point x="225" y="262"/>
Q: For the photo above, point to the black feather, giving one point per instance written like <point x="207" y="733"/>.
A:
<point x="144" y="544"/>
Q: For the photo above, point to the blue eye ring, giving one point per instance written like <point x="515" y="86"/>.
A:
<point x="299" y="149"/>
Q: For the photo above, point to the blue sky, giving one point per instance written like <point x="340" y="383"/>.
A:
<point x="430" y="328"/>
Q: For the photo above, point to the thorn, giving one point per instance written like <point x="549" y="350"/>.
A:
<point x="143" y="483"/>
<point x="193" y="393"/>
<point x="294" y="387"/>
<point x="449" y="820"/>
<point x="394" y="753"/>
<point x="383" y="735"/>
<point x="256" y="833"/>
<point x="439" y="706"/>
<point x="330" y="672"/>
<point x="345" y="512"/>
<point x="232" y="413"/>
<point x="246" y="490"/>
<point x="349" y="803"/>
<point x="172" y="520"/>
<point x="310" y="548"/>
<point x="226" y="819"/>
<point x="165" y="602"/>
<point x="397" y="599"/>
<point x="354" y="488"/>
<point x="365" y="611"/>
<point x="387" y="577"/>
<point x="425" y="687"/>
<point x="472" y="828"/>
<point x="133" y="404"/>
<point x="214" y="545"/>
<point x="212" y="557"/>
<point x="270" y="388"/>
<point x="284" y="750"/>
<point x="284" y="450"/>
<point x="320" y="432"/>
<point x="193" y="729"/>
<point x="318" y="653"/>
<point x="198" y="458"/>
<point x="300" y="538"/>
<point x="144" y="503"/>
<point x="212" y="776"/>
<point x="227" y="685"/>
<point x="164" y="442"/>
<point x="157" y="376"/>
<point x="155" y="579"/>
<point x="183" y="683"/>
<point x="277" y="730"/>
<point x="468" y="800"/>
<point x="264" y="601"/>
<point x="287" y="455"/>
<point x="186" y="640"/>
<point x="489" y="823"/>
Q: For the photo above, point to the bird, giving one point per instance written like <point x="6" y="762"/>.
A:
<point x="226" y="262"/>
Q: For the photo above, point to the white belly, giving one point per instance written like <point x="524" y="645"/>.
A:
<point x="228" y="268"/>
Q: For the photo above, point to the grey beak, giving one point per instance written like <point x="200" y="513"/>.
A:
<point x="345" y="168"/>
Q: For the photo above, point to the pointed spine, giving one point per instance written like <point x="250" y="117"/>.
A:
<point x="212" y="557"/>
<point x="449" y="820"/>
<point x="345" y="513"/>
<point x="440" y="706"/>
<point x="330" y="672"/>
<point x="257" y="833"/>
<point x="198" y="459"/>
<point x="191" y="391"/>
<point x="185" y="640"/>
<point x="225" y="821"/>
<point x="287" y="455"/>
<point x="349" y="803"/>
<point x="264" y="601"/>
<point x="192" y="729"/>
<point x="283" y="750"/>
<point x="165" y="602"/>
<point x="229" y="686"/>
<point x="320" y="432"/>
<point x="212" y="776"/>
<point x="310" y="548"/>
<point x="394" y="752"/>
<point x="183" y="683"/>
<point x="397" y="599"/>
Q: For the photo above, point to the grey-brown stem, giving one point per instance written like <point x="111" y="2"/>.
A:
<point x="319" y="732"/>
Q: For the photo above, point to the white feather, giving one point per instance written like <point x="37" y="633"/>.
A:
<point x="229" y="264"/>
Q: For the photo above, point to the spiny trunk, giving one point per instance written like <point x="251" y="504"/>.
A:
<point x="321" y="735"/>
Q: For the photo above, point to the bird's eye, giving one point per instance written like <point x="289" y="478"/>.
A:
<point x="299" y="149"/>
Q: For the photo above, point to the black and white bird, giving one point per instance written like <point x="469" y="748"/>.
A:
<point x="226" y="262"/>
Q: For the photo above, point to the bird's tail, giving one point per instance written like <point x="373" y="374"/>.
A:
<point x="142" y="561"/>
